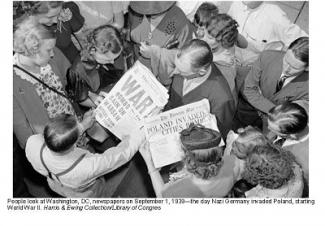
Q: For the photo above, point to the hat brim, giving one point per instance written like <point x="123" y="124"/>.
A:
<point x="150" y="7"/>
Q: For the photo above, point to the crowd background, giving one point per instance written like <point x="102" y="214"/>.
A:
<point x="67" y="41"/>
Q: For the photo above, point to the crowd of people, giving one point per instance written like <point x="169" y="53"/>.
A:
<point x="251" y="63"/>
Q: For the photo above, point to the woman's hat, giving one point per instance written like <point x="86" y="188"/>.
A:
<point x="150" y="7"/>
<point x="199" y="137"/>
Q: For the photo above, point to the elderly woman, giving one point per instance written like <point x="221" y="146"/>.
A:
<point x="72" y="171"/>
<point x="64" y="19"/>
<point x="39" y="81"/>
<point x="205" y="172"/>
<point x="275" y="173"/>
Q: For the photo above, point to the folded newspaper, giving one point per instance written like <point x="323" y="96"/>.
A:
<point x="135" y="96"/>
<point x="163" y="131"/>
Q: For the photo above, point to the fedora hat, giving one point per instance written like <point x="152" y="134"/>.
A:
<point x="198" y="137"/>
<point x="150" y="7"/>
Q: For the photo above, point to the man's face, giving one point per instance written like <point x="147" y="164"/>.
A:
<point x="51" y="17"/>
<point x="184" y="68"/>
<point x="292" y="65"/>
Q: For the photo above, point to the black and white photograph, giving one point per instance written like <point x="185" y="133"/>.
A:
<point x="162" y="104"/>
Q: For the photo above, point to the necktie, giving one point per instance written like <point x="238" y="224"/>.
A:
<point x="281" y="82"/>
<point x="280" y="142"/>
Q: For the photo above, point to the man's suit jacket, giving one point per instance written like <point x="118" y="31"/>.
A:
<point x="260" y="83"/>
<point x="215" y="89"/>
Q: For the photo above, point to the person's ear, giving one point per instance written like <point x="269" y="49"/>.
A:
<point x="92" y="50"/>
<point x="202" y="71"/>
<point x="307" y="68"/>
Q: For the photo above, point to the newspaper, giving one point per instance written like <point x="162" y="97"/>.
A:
<point x="135" y="96"/>
<point x="162" y="131"/>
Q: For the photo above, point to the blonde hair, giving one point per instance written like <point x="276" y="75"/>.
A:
<point x="29" y="35"/>
<point x="247" y="141"/>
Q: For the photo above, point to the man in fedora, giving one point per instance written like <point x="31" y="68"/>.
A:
<point x="159" y="23"/>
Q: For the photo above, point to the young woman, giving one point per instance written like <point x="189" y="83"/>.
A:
<point x="275" y="173"/>
<point x="240" y="145"/>
<point x="221" y="33"/>
<point x="34" y="104"/>
<point x="72" y="171"/>
<point x="205" y="172"/>
<point x="102" y="63"/>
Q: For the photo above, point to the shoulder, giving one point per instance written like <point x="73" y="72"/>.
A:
<point x="218" y="84"/>
<point x="270" y="55"/>
<point x="34" y="142"/>
<point x="273" y="10"/>
<point x="178" y="16"/>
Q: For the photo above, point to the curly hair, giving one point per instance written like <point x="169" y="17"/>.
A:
<point x="224" y="29"/>
<point x="29" y="35"/>
<point x="247" y="141"/>
<point x="105" y="38"/>
<point x="204" y="13"/>
<point x="269" y="167"/>
<point x="204" y="163"/>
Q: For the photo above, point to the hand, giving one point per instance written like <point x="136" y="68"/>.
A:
<point x="97" y="99"/>
<point x="146" y="155"/>
<point x="231" y="137"/>
<point x="145" y="50"/>
<point x="88" y="120"/>
<point x="103" y="94"/>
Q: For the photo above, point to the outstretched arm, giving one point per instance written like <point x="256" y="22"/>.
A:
<point x="156" y="179"/>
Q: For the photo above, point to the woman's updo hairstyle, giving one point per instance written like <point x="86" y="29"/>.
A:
<point x="105" y="39"/>
<point x="247" y="140"/>
<point x="62" y="133"/>
<point x="204" y="163"/>
<point x="29" y="35"/>
<point x="204" y="13"/>
<point x="224" y="29"/>
<point x="203" y="157"/>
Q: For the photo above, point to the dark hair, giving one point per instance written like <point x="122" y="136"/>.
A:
<point x="105" y="38"/>
<point x="300" y="48"/>
<point x="43" y="7"/>
<point x="247" y="140"/>
<point x="62" y="133"/>
<point x="290" y="117"/>
<point x="269" y="167"/>
<point x="224" y="29"/>
<point x="204" y="13"/>
<point x="200" y="53"/>
<point x="204" y="163"/>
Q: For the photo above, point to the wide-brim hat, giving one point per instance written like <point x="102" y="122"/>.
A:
<point x="151" y="7"/>
<point x="198" y="137"/>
